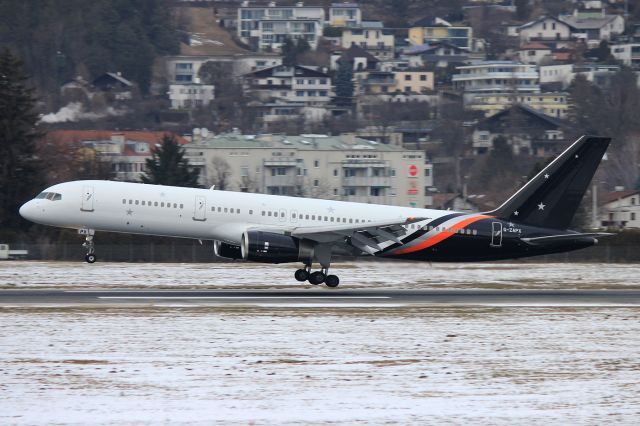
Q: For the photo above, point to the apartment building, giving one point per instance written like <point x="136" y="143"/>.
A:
<point x="342" y="167"/>
<point x="191" y="95"/>
<point x="183" y="69"/>
<point x="433" y="29"/>
<point x="496" y="77"/>
<point x="370" y="35"/>
<point x="554" y="104"/>
<point x="389" y="82"/>
<point x="291" y="84"/>
<point x="627" y="53"/>
<point x="266" y="27"/>
<point x="345" y="15"/>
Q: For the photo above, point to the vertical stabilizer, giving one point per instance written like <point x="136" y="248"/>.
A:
<point x="552" y="197"/>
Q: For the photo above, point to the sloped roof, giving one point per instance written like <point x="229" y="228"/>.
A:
<point x="609" y="197"/>
<point x="555" y="122"/>
<point x="267" y="72"/>
<point x="67" y="137"/>
<point x="535" y="46"/>
<point x="542" y="18"/>
<point x="586" y="23"/>
<point x="356" y="51"/>
<point x="431" y="21"/>
<point x="115" y="76"/>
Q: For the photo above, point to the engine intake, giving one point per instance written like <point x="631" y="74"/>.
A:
<point x="269" y="247"/>
<point x="228" y="251"/>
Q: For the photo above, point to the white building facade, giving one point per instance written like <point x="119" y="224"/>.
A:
<point x="191" y="95"/>
<point x="343" y="167"/>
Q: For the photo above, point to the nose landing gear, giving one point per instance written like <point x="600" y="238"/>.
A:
<point x="90" y="257"/>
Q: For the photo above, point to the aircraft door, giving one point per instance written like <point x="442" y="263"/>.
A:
<point x="200" y="209"/>
<point x="87" y="199"/>
<point x="496" y="234"/>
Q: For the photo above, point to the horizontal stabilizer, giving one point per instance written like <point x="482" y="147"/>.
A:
<point x="564" y="237"/>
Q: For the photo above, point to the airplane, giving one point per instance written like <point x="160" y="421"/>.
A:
<point x="279" y="229"/>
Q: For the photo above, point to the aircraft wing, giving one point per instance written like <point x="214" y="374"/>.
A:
<point x="366" y="236"/>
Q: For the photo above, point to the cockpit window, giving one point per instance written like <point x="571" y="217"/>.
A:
<point x="53" y="196"/>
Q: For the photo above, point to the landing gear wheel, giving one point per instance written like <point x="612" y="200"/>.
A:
<point x="317" y="278"/>
<point x="301" y="275"/>
<point x="332" y="281"/>
<point x="90" y="258"/>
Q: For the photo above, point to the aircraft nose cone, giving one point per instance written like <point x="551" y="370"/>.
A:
<point x="27" y="210"/>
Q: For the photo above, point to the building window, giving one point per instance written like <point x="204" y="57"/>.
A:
<point x="423" y="77"/>
<point x="407" y="77"/>
<point x="316" y="163"/>
<point x="316" y="183"/>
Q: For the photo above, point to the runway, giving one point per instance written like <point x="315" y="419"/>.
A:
<point x="325" y="298"/>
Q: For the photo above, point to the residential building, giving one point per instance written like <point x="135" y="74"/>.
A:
<point x="545" y="28"/>
<point x="266" y="27"/>
<point x="345" y="15"/>
<point x="620" y="209"/>
<point x="390" y="82"/>
<point x="433" y="29"/>
<point x="126" y="151"/>
<point x="370" y="35"/>
<point x="290" y="84"/>
<point x="627" y="53"/>
<point x="191" y="95"/>
<point x="559" y="77"/>
<point x="534" y="53"/>
<point x="527" y="130"/>
<point x="335" y="167"/>
<point x="439" y="54"/>
<point x="357" y="57"/>
<point x="593" y="27"/>
<point x="496" y="77"/>
<point x="185" y="69"/>
<point x="554" y="104"/>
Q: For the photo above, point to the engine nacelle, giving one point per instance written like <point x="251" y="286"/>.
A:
<point x="269" y="247"/>
<point x="229" y="251"/>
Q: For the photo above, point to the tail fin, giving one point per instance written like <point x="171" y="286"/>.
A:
<point x="552" y="197"/>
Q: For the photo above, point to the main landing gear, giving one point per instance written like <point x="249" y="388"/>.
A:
<point x="322" y="253"/>
<point x="317" y="277"/>
<point x="90" y="257"/>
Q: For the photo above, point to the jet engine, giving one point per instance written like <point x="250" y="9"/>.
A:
<point x="229" y="251"/>
<point x="269" y="247"/>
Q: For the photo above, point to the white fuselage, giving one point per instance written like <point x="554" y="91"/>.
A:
<point x="199" y="213"/>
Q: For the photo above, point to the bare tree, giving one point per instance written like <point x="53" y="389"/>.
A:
<point x="221" y="173"/>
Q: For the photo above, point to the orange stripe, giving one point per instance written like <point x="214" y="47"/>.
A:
<point x="441" y="236"/>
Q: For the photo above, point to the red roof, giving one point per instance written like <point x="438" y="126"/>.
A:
<point x="535" y="46"/>
<point x="609" y="197"/>
<point x="67" y="137"/>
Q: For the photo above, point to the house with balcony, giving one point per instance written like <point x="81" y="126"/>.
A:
<point x="184" y="69"/>
<point x="627" y="53"/>
<point x="265" y="27"/>
<point x="432" y="29"/>
<point x="126" y="152"/>
<point x="437" y="54"/>
<point x="559" y="77"/>
<point x="620" y="209"/>
<point x="345" y="15"/>
<point x="490" y="77"/>
<point x="371" y="36"/>
<point x="341" y="167"/>
<point x="355" y="56"/>
<point x="593" y="25"/>
<point x="191" y="95"/>
<point x="545" y="29"/>
<point x="554" y="104"/>
<point x="297" y="83"/>
<point x="534" y="53"/>
<point x="527" y="130"/>
<point x="394" y="82"/>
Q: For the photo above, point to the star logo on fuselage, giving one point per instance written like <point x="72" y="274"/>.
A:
<point x="129" y="212"/>
<point x="541" y="206"/>
<point x="330" y="210"/>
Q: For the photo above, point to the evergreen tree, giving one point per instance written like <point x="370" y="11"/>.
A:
<point x="288" y="52"/>
<point x="344" y="85"/>
<point x="20" y="170"/>
<point x="169" y="167"/>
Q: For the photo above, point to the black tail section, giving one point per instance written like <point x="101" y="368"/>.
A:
<point x="551" y="198"/>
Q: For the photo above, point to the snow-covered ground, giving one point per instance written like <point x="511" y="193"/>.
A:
<point x="508" y="366"/>
<point x="296" y="365"/>
<point x="398" y="275"/>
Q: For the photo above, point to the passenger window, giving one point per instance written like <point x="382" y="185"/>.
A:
<point x="332" y="219"/>
<point x="475" y="232"/>
<point x="263" y="213"/>
<point x="213" y="209"/>
<point x="130" y="201"/>
<point x="231" y="210"/>
<point x="155" y="204"/>
<point x="143" y="202"/>
<point x="250" y="211"/>
<point x="237" y="211"/>
<point x="169" y="205"/>
<point x="124" y="201"/>
<point x="226" y="210"/>
<point x="306" y="216"/>
<point x="313" y="217"/>
<point x="270" y="213"/>
<point x="293" y="215"/>
<point x="282" y="214"/>
<point x="162" y="204"/>
<point x="137" y="202"/>
<point x="344" y="220"/>
<point x="219" y="209"/>
<point x="181" y="205"/>
<point x="175" y="205"/>
<point x="350" y="220"/>
<point x="326" y="219"/>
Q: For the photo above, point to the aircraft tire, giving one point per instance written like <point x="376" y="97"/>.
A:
<point x="301" y="275"/>
<point x="316" y="278"/>
<point x="90" y="258"/>
<point x="332" y="281"/>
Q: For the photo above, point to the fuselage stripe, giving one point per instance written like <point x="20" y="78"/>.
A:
<point x="442" y="235"/>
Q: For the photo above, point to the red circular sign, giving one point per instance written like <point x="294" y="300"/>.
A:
<point x="413" y="170"/>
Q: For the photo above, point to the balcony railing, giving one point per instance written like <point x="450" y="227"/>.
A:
<point x="368" y="181"/>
